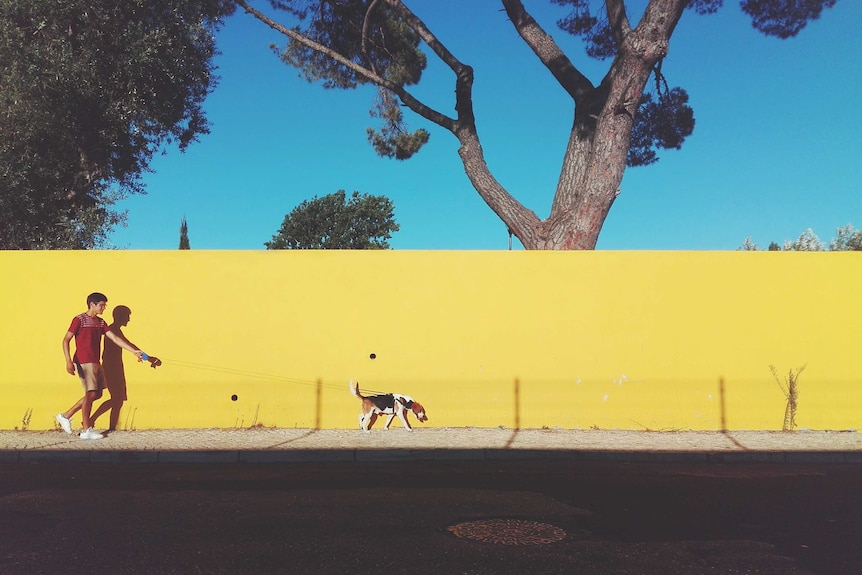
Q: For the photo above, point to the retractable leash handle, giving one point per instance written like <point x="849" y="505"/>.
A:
<point x="144" y="357"/>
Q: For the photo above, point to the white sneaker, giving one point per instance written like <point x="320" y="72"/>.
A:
<point x="65" y="423"/>
<point x="91" y="434"/>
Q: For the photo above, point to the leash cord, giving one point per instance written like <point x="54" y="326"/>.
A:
<point x="255" y="375"/>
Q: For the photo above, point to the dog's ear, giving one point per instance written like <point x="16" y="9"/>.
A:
<point x="406" y="403"/>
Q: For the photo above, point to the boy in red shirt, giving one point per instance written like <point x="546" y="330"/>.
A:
<point x="87" y="329"/>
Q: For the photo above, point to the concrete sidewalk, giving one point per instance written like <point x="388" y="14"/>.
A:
<point x="265" y="445"/>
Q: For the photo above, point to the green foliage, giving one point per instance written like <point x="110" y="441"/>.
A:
<point x="393" y="140"/>
<point x="332" y="222"/>
<point x="366" y="33"/>
<point x="664" y="124"/>
<point x="370" y="35"/>
<point x="783" y="18"/>
<point x="90" y="90"/>
<point x="667" y="121"/>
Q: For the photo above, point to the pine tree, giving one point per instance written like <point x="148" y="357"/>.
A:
<point x="184" y="235"/>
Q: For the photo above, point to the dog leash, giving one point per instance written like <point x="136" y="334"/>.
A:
<point x="257" y="375"/>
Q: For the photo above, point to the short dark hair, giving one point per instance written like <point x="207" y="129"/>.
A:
<point x="96" y="297"/>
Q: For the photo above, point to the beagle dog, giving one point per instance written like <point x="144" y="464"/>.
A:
<point x="391" y="404"/>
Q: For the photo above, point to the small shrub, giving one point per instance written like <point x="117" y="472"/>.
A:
<point x="25" y="421"/>
<point x="790" y="388"/>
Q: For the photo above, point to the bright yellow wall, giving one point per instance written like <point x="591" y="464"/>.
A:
<point x="628" y="340"/>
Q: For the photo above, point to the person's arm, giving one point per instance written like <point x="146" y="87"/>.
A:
<point x="125" y="344"/>
<point x="119" y="333"/>
<point x="70" y="367"/>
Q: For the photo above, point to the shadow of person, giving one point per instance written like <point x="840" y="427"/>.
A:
<point x="115" y="373"/>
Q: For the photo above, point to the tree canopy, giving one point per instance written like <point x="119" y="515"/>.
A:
<point x="90" y="90"/>
<point x="334" y="222"/>
<point x="625" y="119"/>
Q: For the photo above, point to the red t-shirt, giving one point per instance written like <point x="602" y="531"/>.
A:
<point x="88" y="337"/>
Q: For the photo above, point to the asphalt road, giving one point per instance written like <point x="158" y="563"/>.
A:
<point x="616" y="518"/>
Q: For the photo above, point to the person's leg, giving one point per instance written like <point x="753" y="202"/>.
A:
<point x="115" y="413"/>
<point x="65" y="418"/>
<point x="103" y="407"/>
<point x="115" y="404"/>
<point x="87" y="406"/>
<point x="115" y="377"/>
<point x="93" y="380"/>
<point x="76" y="407"/>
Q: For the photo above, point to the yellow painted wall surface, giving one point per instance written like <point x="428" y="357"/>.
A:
<point x="628" y="340"/>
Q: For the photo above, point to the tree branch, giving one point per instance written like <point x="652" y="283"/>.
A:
<point x="408" y="99"/>
<point x="570" y="78"/>
<point x="658" y="23"/>
<point x="520" y="220"/>
<point x="365" y="23"/>
<point x="618" y="19"/>
<point x="463" y="72"/>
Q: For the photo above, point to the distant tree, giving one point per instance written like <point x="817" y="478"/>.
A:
<point x="622" y="120"/>
<point x="184" y="235"/>
<point x="748" y="245"/>
<point x="806" y="242"/>
<point x="89" y="91"/>
<point x="364" y="222"/>
<point x="847" y="239"/>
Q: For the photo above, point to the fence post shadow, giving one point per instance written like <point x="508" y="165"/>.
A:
<point x="318" y="410"/>
<point x="517" y="414"/>
<point x="723" y="408"/>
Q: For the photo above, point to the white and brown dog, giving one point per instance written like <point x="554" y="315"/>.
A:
<point x="391" y="404"/>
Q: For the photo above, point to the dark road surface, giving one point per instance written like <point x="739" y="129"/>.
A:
<point x="618" y="518"/>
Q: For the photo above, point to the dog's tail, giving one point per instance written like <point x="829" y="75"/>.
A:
<point x="354" y="389"/>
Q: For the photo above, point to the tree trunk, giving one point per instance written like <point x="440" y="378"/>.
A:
<point x="597" y="151"/>
<point x="592" y="170"/>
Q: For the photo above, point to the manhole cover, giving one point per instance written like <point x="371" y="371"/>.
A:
<point x="509" y="532"/>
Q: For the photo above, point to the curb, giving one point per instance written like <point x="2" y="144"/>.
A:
<point x="254" y="456"/>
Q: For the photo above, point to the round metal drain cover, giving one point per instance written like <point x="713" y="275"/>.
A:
<point x="509" y="532"/>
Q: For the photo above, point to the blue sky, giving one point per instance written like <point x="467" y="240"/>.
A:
<point x="776" y="148"/>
